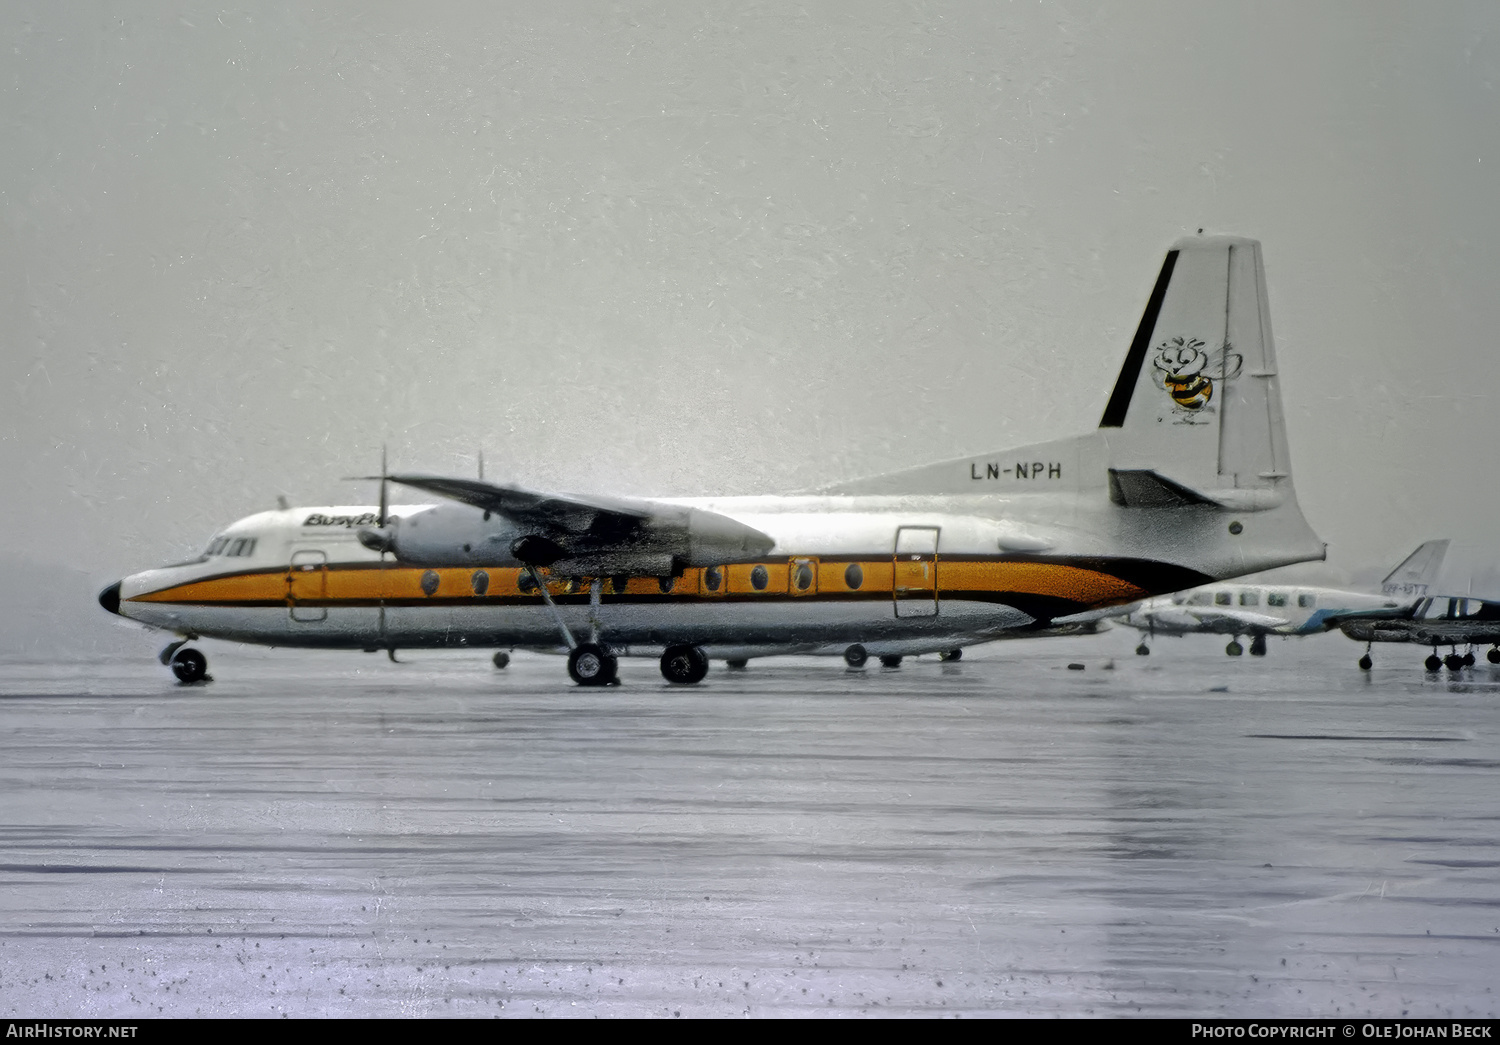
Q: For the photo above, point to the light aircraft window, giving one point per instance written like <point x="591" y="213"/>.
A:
<point x="713" y="577"/>
<point x="1203" y="598"/>
<point x="803" y="578"/>
<point x="1307" y="602"/>
<point x="1249" y="598"/>
<point x="430" y="582"/>
<point x="759" y="578"/>
<point x="854" y="576"/>
<point x="1276" y="598"/>
<point x="1223" y="598"/>
<point x="526" y="582"/>
<point x="480" y="582"/>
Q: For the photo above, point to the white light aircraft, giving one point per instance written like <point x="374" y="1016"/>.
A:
<point x="1187" y="479"/>
<point x="1258" y="610"/>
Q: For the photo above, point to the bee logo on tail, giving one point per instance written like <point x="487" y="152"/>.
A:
<point x="1186" y="372"/>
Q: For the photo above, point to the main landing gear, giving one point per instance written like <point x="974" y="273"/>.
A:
<point x="592" y="664"/>
<point x="1455" y="661"/>
<point x="1258" y="646"/>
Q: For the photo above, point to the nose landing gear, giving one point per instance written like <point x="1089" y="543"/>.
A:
<point x="190" y="666"/>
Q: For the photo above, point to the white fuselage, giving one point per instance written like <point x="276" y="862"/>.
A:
<point x="1253" y="609"/>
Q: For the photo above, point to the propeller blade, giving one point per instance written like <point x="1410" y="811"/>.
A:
<point x="384" y="473"/>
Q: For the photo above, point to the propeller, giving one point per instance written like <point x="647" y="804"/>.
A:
<point x="379" y="539"/>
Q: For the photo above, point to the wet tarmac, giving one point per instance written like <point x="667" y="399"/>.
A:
<point x="318" y="834"/>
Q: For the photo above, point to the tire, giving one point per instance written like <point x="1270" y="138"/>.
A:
<point x="1494" y="656"/>
<point x="1434" y="662"/>
<point x="890" y="661"/>
<point x="1258" y="646"/>
<point x="502" y="660"/>
<point x="951" y="655"/>
<point x="855" y="656"/>
<point x="1234" y="649"/>
<point x="1453" y="662"/>
<point x="737" y="664"/>
<point x="189" y="666"/>
<point x="684" y="665"/>
<point x="1365" y="663"/>
<point x="1143" y="650"/>
<point x="590" y="665"/>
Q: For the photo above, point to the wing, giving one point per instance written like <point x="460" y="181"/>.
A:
<point x="565" y="512"/>
<point x="1212" y="619"/>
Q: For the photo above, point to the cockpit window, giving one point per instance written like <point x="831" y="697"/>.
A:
<point x="234" y="547"/>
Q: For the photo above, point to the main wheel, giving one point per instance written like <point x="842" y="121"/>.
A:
<point x="1434" y="662"/>
<point x="891" y="660"/>
<point x="189" y="665"/>
<point x="684" y="665"/>
<point x="1143" y="650"/>
<point x="501" y="659"/>
<point x="1453" y="662"/>
<point x="590" y="665"/>
<point x="737" y="664"/>
<point x="1494" y="656"/>
<point x="1469" y="659"/>
<point x="1234" y="649"/>
<point x="1365" y="663"/>
<point x="855" y="656"/>
<point x="953" y="654"/>
<point x="1258" y="646"/>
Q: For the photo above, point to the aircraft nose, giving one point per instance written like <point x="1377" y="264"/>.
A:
<point x="109" y="598"/>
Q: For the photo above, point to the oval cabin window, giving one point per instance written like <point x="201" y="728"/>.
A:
<point x="803" y="577"/>
<point x="480" y="582"/>
<point x="712" y="578"/>
<point x="430" y="582"/>
<point x="854" y="576"/>
<point x="759" y="578"/>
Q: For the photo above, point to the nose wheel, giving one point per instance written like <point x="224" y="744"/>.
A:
<point x="189" y="666"/>
<point x="1234" y="649"/>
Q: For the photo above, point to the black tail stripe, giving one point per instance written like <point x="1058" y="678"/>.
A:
<point x="1119" y="400"/>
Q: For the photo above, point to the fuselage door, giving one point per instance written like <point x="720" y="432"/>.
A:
<point x="307" y="582"/>
<point x="915" y="582"/>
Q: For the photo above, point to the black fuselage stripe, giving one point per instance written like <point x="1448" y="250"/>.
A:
<point x="1130" y="373"/>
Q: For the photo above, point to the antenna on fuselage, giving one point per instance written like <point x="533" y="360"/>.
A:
<point x="481" y="464"/>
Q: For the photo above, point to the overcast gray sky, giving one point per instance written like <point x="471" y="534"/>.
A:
<point x="722" y="247"/>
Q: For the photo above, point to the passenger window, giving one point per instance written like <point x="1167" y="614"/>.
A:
<point x="803" y="578"/>
<point x="1249" y="598"/>
<point x="759" y="578"/>
<point x="1276" y="598"/>
<point x="712" y="578"/>
<point x="1202" y="598"/>
<point x="1307" y="602"/>
<point x="854" y="576"/>
<point x="1223" y="598"/>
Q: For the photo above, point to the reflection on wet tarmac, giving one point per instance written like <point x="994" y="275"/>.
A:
<point x="330" y="834"/>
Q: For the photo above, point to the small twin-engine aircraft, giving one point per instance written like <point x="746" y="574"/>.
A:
<point x="1450" y="621"/>
<point x="1187" y="479"/>
<point x="1258" y="610"/>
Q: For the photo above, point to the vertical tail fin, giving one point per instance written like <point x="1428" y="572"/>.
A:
<point x="1417" y="572"/>
<point x="1197" y="407"/>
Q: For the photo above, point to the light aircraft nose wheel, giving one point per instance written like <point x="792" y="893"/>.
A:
<point x="953" y="654"/>
<point x="1143" y="650"/>
<point x="589" y="665"/>
<point x="1234" y="649"/>
<point x="1434" y="662"/>
<point x="1494" y="656"/>
<point x="1258" y="646"/>
<point x="684" y="665"/>
<point x="1365" y="663"/>
<point x="855" y="656"/>
<point x="502" y="660"/>
<point x="890" y="661"/>
<point x="189" y="665"/>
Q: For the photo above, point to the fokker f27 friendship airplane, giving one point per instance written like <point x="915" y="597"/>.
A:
<point x="1259" y="609"/>
<point x="1186" y="480"/>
